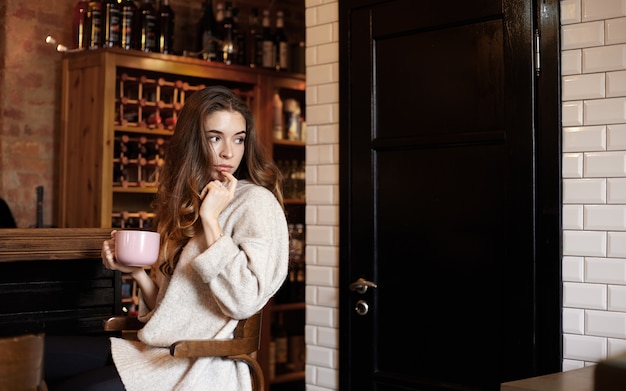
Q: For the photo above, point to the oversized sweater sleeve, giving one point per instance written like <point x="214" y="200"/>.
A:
<point x="249" y="264"/>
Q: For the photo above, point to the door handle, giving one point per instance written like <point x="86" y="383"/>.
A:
<point x="361" y="285"/>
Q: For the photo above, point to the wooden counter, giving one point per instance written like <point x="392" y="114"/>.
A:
<point x="30" y="244"/>
<point x="52" y="280"/>
<point x="574" y="380"/>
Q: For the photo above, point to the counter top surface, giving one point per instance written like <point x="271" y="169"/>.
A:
<point x="34" y="244"/>
<point x="574" y="380"/>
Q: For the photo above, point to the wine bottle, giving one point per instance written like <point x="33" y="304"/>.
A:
<point x="277" y="122"/>
<point x="93" y="30"/>
<point x="239" y="36"/>
<point x="110" y="24"/>
<point x="254" y="44"/>
<point x="207" y="33"/>
<point x="297" y="243"/>
<point x="281" y="44"/>
<point x="128" y="12"/>
<point x="228" y="39"/>
<point x="269" y="56"/>
<point x="219" y="32"/>
<point x="147" y="27"/>
<point x="166" y="27"/>
<point x="79" y="19"/>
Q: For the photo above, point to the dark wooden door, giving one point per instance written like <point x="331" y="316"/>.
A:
<point x="450" y="200"/>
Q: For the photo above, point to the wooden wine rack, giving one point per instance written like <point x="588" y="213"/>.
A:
<point x="118" y="107"/>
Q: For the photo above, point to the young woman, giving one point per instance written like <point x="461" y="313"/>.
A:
<point x="224" y="248"/>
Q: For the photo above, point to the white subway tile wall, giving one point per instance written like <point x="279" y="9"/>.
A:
<point x="593" y="43"/>
<point x="593" y="59"/>
<point x="322" y="194"/>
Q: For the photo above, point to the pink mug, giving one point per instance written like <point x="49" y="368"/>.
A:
<point x="137" y="248"/>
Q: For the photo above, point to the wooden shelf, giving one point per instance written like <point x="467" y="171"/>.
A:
<point x="135" y="129"/>
<point x="290" y="143"/>
<point x="134" y="189"/>
<point x="288" y="377"/>
<point x="289" y="306"/>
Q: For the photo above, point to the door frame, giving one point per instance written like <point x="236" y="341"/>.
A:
<point x="547" y="286"/>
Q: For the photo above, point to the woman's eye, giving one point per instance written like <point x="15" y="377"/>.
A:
<point x="213" y="139"/>
<point x="240" y="140"/>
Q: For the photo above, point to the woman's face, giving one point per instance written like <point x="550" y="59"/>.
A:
<point x="226" y="132"/>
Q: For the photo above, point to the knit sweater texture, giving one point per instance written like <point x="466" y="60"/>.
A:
<point x="211" y="289"/>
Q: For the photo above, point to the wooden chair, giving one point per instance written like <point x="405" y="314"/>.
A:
<point x="21" y="363"/>
<point x="243" y="346"/>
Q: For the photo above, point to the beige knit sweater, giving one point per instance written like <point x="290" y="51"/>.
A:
<point x="210" y="290"/>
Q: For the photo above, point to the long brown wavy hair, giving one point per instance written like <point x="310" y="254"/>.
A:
<point x="188" y="167"/>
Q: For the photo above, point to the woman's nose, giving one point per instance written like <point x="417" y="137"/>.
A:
<point x="226" y="152"/>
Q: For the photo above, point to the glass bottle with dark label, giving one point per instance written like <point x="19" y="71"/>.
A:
<point x="110" y="24"/>
<point x="147" y="27"/>
<point x="207" y="31"/>
<point x="254" y="44"/>
<point x="166" y="27"/>
<point x="220" y="14"/>
<point x="93" y="25"/>
<point x="269" y="56"/>
<point x="239" y="35"/>
<point x="128" y="11"/>
<point x="281" y="45"/>
<point x="228" y="39"/>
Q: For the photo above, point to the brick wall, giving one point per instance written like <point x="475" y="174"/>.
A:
<point x="30" y="80"/>
<point x="29" y="90"/>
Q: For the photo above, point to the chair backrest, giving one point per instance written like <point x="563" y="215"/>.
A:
<point x="21" y="363"/>
<point x="243" y="347"/>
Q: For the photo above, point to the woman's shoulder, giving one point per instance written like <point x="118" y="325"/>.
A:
<point x="249" y="189"/>
<point x="245" y="186"/>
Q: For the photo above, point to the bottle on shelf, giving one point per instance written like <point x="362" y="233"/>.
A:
<point x="207" y="33"/>
<point x="296" y="180"/>
<point x="281" y="44"/>
<point x="281" y="340"/>
<point x="296" y="243"/>
<point x="239" y="36"/>
<point x="79" y="18"/>
<point x="93" y="25"/>
<point x="292" y="124"/>
<point x="299" y="191"/>
<point x="300" y="282"/>
<point x="219" y="32"/>
<point x="228" y="36"/>
<point x="147" y="27"/>
<point x="254" y="43"/>
<point x="277" y="124"/>
<point x="165" y="20"/>
<point x="128" y="12"/>
<point x="291" y="229"/>
<point x="110" y="24"/>
<point x="269" y="54"/>
<point x="297" y="53"/>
